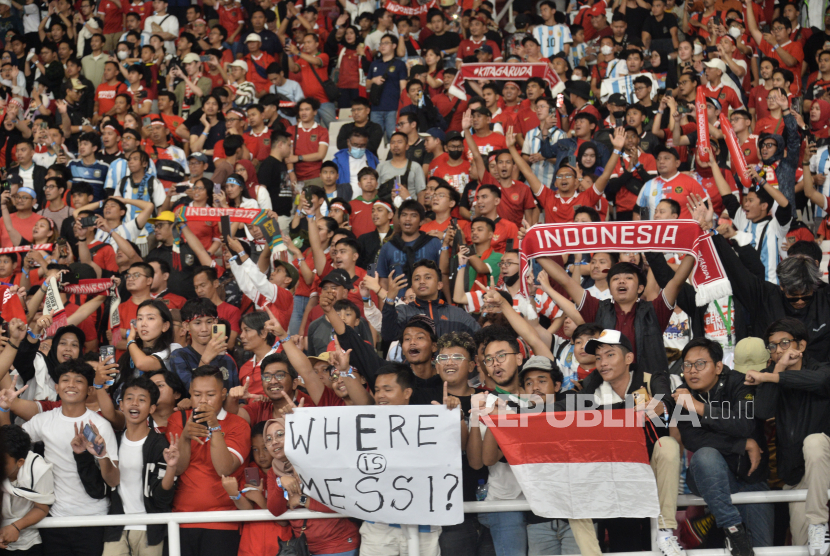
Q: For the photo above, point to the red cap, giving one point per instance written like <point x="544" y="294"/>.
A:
<point x="597" y="9"/>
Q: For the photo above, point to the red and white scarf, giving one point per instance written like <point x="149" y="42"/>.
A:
<point x="501" y="72"/>
<point x="683" y="236"/>
<point x="702" y="125"/>
<point x="735" y="153"/>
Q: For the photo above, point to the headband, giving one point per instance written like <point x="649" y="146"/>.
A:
<point x="112" y="127"/>
<point x="385" y="205"/>
<point x="234" y="181"/>
<point x="338" y="206"/>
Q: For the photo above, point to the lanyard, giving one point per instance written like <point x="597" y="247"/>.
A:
<point x="727" y="319"/>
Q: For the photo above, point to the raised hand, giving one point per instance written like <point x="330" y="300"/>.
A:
<point x="231" y="486"/>
<point x="171" y="453"/>
<point x="273" y="325"/>
<point x="8" y="395"/>
<point x="395" y="285"/>
<point x="467" y="120"/>
<point x="371" y="282"/>
<point x="290" y="406"/>
<point x="510" y="138"/>
<point x="618" y="139"/>
<point x="448" y="400"/>
<point x="17" y="330"/>
<point x="242" y="392"/>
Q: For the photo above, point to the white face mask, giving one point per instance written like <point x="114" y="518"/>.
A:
<point x="606" y="50"/>
<point x="698" y="49"/>
<point x="734" y="32"/>
<point x="576" y="78"/>
<point x="122" y="54"/>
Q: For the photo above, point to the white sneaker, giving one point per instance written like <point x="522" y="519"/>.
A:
<point x="818" y="540"/>
<point x="667" y="543"/>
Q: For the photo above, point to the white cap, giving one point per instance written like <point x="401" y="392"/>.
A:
<point x="716" y="64"/>
<point x="252" y="37"/>
<point x="240" y="64"/>
<point x="6" y="3"/>
<point x="189" y="58"/>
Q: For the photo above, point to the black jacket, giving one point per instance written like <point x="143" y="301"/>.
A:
<point x="447" y="318"/>
<point x="373" y="129"/>
<point x="160" y="500"/>
<point x="370" y="245"/>
<point x="800" y="403"/>
<point x="766" y="303"/>
<point x="728" y="420"/>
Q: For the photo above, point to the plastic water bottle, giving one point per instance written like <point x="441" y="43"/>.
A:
<point x="481" y="490"/>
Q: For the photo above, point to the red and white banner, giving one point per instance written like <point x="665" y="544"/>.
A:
<point x="88" y="287"/>
<point x="214" y="214"/>
<point x="659" y="236"/>
<point x="580" y="472"/>
<point x="27" y="248"/>
<point x="421" y="11"/>
<point x="738" y="159"/>
<point x="501" y="72"/>
<point x="702" y="125"/>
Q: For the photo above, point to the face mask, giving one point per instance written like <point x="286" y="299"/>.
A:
<point x="354" y="152"/>
<point x="734" y="32"/>
<point x="698" y="49"/>
<point x="576" y="78"/>
<point x="455" y="155"/>
<point x="619" y="115"/>
<point x="122" y="54"/>
<point x="606" y="50"/>
<point x="510" y="280"/>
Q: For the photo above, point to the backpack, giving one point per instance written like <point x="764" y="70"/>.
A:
<point x="170" y="170"/>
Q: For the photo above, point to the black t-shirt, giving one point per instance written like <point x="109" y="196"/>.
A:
<point x="273" y="174"/>
<point x="443" y="42"/>
<point x="635" y="18"/>
<point x="814" y="44"/>
<point x="660" y="29"/>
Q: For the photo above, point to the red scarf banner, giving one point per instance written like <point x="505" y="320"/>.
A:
<point x="421" y="11"/>
<point x="658" y="236"/>
<point x="735" y="153"/>
<point x="702" y="125"/>
<point x="501" y="72"/>
<point x="27" y="248"/>
<point x="214" y="214"/>
<point x="12" y="307"/>
<point x="88" y="287"/>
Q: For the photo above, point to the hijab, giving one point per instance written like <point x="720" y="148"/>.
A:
<point x="821" y="128"/>
<point x="250" y="183"/>
<point x="591" y="170"/>
<point x="281" y="468"/>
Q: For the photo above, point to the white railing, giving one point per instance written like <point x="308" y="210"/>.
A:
<point x="173" y="520"/>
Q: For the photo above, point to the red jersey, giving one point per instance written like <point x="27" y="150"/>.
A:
<point x="468" y="47"/>
<point x="436" y="226"/>
<point x="558" y="209"/>
<point x="493" y="142"/>
<point x="308" y="141"/>
<point x="794" y="49"/>
<point x="199" y="488"/>
<point x="311" y="86"/>
<point x="231" y="314"/>
<point x="104" y="256"/>
<point x="708" y="183"/>
<point x="263" y="61"/>
<point x="261" y="537"/>
<point x="515" y="200"/>
<point x="113" y="21"/>
<point x="769" y="125"/>
<point x="626" y="200"/>
<point x="505" y="230"/>
<point x="456" y="176"/>
<point x="361" y="218"/>
<point x="105" y="96"/>
<point x="172" y="300"/>
<point x="750" y="149"/>
<point x="231" y="17"/>
<point x="725" y="95"/>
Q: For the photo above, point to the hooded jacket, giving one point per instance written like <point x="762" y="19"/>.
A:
<point x="785" y="172"/>
<point x="341" y="158"/>
<point x="727" y="421"/>
<point x="38" y="370"/>
<point x="800" y="403"/>
<point x="448" y="318"/>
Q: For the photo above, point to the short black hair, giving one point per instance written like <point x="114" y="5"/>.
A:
<point x="163" y="266"/>
<point x="78" y="367"/>
<point x="350" y="243"/>
<point x="674" y="205"/>
<point x="791" y="326"/>
<point x="413" y="205"/>
<point x="590" y="211"/>
<point x="311" y="101"/>
<point x="427" y="263"/>
<point x="502" y="334"/>
<point x="586" y="329"/>
<point x="208" y="270"/>
<point x="280" y="357"/>
<point x="808" y="248"/>
<point x="494" y="189"/>
<point x="143" y="382"/>
<point x="16" y="442"/>
<point x="144" y="266"/>
<point x="199" y="306"/>
<point x="714" y="348"/>
<point x="403" y="374"/>
<point x="346" y="304"/>
<point x="627" y="268"/>
<point x="259" y="428"/>
<point x="208" y="370"/>
<point x="490" y="224"/>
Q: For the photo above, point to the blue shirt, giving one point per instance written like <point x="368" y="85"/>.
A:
<point x="394" y="71"/>
<point x="391" y="258"/>
<point x="95" y="175"/>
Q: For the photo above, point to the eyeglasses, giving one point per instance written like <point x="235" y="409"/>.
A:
<point x="699" y="365"/>
<point x="440" y="196"/>
<point x="565" y="177"/>
<point x="455" y="358"/>
<point x="279" y="377"/>
<point x="50" y="186"/>
<point x="270" y="439"/>
<point x="387" y="43"/>
<point x="783" y="344"/>
<point x="769" y="146"/>
<point x="778" y="29"/>
<point x="199" y="188"/>
<point x="399" y="124"/>
<point x="232" y="120"/>
<point x="500" y="357"/>
<point x="797" y="298"/>
<point x="135" y="276"/>
<point x="505" y="264"/>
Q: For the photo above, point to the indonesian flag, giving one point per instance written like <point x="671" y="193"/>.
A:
<point x="580" y="464"/>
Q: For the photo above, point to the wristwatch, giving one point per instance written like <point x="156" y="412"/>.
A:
<point x="303" y="500"/>
<point x="300" y="158"/>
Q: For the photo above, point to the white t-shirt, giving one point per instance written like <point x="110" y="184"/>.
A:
<point x="168" y="23"/>
<point x="56" y="430"/>
<point x="678" y="332"/>
<point x="131" y="487"/>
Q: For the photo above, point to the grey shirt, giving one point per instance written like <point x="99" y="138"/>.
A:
<point x="415" y="182"/>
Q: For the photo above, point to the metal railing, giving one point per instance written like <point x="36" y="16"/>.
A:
<point x="173" y="520"/>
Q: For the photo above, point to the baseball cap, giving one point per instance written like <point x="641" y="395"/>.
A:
<point x="714" y="102"/>
<point x="6" y="3"/>
<point x="664" y="149"/>
<point x="423" y="322"/>
<point x="201" y="157"/>
<point x="483" y="111"/>
<point x="190" y="57"/>
<point x="77" y="84"/>
<point x="339" y="277"/>
<point x="751" y="355"/>
<point x="617" y="99"/>
<point x="436" y="133"/>
<point x="717" y="64"/>
<point x="324" y="357"/>
<point x="253" y="37"/>
<point x="452" y="136"/>
<point x="165" y="216"/>
<point x="609" y="338"/>
<point x="537" y="363"/>
<point x="597" y="9"/>
<point x="291" y="270"/>
<point x="486" y="48"/>
<point x="240" y="64"/>
<point x="522" y="20"/>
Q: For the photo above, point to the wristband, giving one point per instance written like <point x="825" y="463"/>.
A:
<point x="444" y="248"/>
<point x="32" y="334"/>
<point x="366" y="299"/>
<point x="619" y="152"/>
<point x="205" y="133"/>
<point x="237" y="497"/>
<point x="462" y="266"/>
<point x="714" y="232"/>
<point x="6" y="411"/>
<point x="14" y="346"/>
<point x="390" y="301"/>
<point x="13" y="525"/>
<point x="659" y="111"/>
<point x="232" y="259"/>
<point x="25" y="272"/>
<point x="130" y="343"/>
<point x="98" y="386"/>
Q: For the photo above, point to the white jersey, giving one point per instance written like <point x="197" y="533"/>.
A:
<point x="553" y="38"/>
<point x="766" y="237"/>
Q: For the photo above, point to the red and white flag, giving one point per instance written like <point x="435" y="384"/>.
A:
<point x="591" y="467"/>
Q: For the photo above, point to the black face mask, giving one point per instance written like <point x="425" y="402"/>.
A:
<point x="510" y="280"/>
<point x="619" y="115"/>
<point x="455" y="155"/>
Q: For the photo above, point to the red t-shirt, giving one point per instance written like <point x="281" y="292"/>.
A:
<point x="456" y="176"/>
<point x="750" y="149"/>
<point x="711" y="188"/>
<point x="361" y="218"/>
<point x="308" y="141"/>
<point x="254" y="144"/>
<point x="493" y="142"/>
<point x="113" y="22"/>
<point x="104" y="257"/>
<point x="127" y="311"/>
<point x="105" y="95"/>
<point x="311" y="86"/>
<point x="468" y="47"/>
<point x="87" y="326"/>
<point x="505" y="230"/>
<point x="172" y="300"/>
<point x="231" y="314"/>
<point x="558" y="209"/>
<point x="264" y="410"/>
<point x="725" y="95"/>
<point x="515" y="200"/>
<point x="758" y="101"/>
<point x="434" y="225"/>
<point x="793" y="49"/>
<point x="264" y="60"/>
<point x="261" y="537"/>
<point x="769" y="125"/>
<point x="199" y="488"/>
<point x="626" y="200"/>
<point x="144" y="9"/>
<point x="231" y="17"/>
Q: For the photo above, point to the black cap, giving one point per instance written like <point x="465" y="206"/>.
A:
<point x="582" y="89"/>
<point x="423" y="322"/>
<point x="522" y="20"/>
<point x="664" y="149"/>
<point x="617" y="99"/>
<point x="339" y="277"/>
<point x="483" y="111"/>
<point x="453" y="135"/>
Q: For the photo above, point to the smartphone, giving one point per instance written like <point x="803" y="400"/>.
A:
<point x="145" y="121"/>
<point x="44" y="125"/>
<point x="251" y="476"/>
<point x="219" y="330"/>
<point x="307" y="193"/>
<point x="181" y="188"/>
<point x="106" y="355"/>
<point x="560" y="100"/>
<point x="717" y="20"/>
<point x="225" y="226"/>
<point x="509" y="245"/>
<point x="5" y="185"/>
<point x="454" y="223"/>
<point x="287" y="42"/>
<point x="370" y="271"/>
<point x="668" y="94"/>
<point x="88" y="221"/>
<point x="217" y="189"/>
<point x="711" y="49"/>
<point x="89" y="434"/>
<point x="204" y="58"/>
